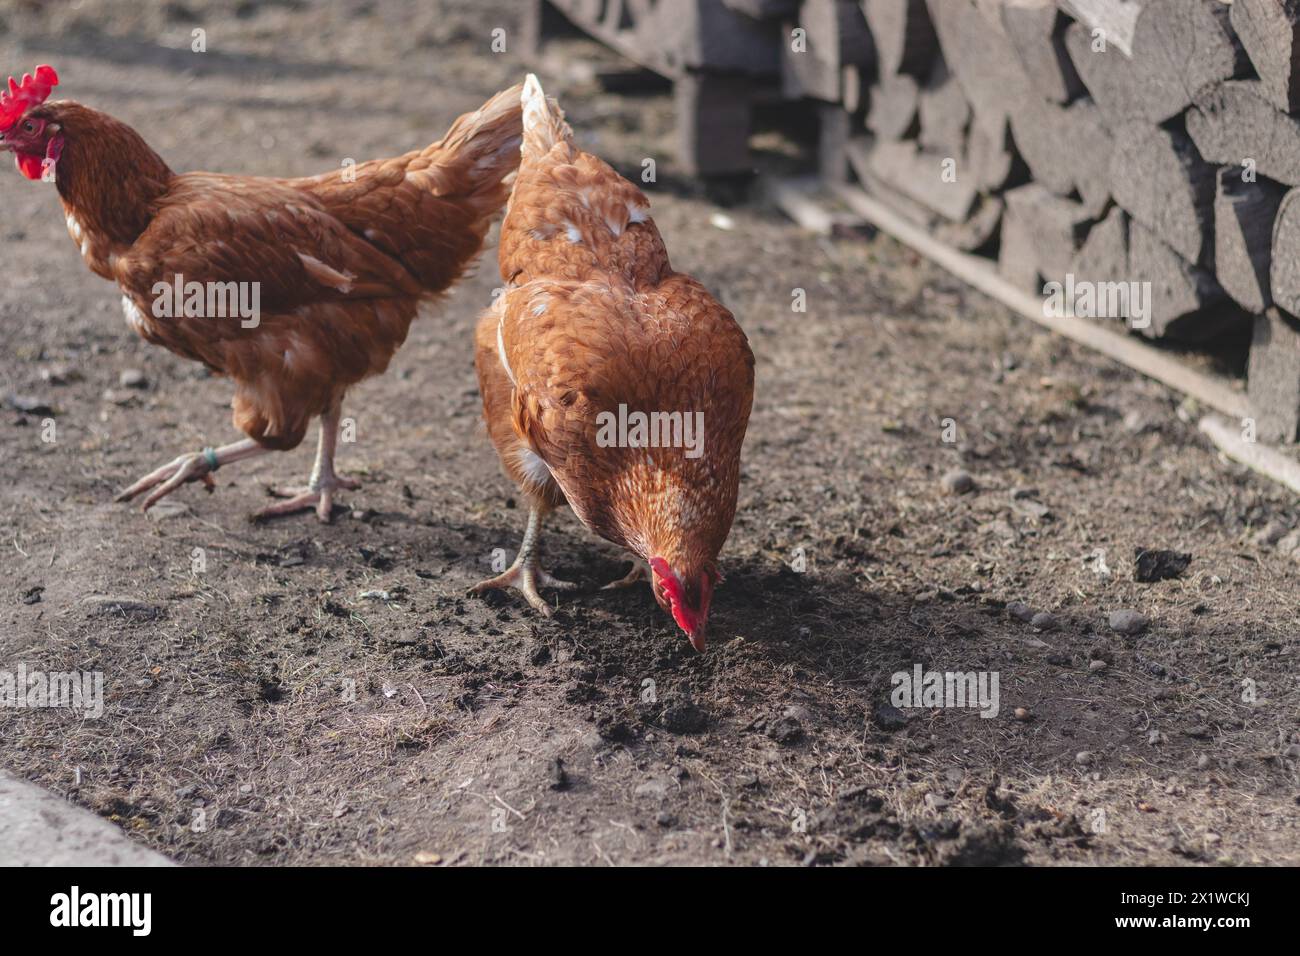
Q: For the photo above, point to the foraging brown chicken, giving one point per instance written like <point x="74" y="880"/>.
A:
<point x="609" y="380"/>
<point x="327" y="272"/>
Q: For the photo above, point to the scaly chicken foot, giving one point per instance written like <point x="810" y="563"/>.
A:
<point x="526" y="575"/>
<point x="640" y="572"/>
<point x="320" y="489"/>
<point x="194" y="466"/>
<point x="318" y="495"/>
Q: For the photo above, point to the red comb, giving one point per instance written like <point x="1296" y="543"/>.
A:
<point x="20" y="97"/>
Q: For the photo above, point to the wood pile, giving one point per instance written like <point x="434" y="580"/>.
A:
<point x="716" y="52"/>
<point x="1152" y="145"/>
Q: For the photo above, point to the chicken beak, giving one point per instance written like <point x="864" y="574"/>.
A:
<point x="667" y="589"/>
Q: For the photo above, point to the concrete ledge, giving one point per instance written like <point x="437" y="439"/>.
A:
<point x="40" y="829"/>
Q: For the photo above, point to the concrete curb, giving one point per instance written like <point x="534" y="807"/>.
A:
<point x="41" y="829"/>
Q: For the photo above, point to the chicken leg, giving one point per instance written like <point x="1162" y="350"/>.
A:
<point x="323" y="482"/>
<point x="640" y="572"/>
<point x="526" y="574"/>
<point x="193" y="466"/>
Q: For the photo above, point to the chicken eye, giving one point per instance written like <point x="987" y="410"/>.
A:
<point x="29" y="127"/>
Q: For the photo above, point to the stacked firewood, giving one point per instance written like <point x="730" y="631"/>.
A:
<point x="717" y="53"/>
<point x="1149" y="143"/>
<point x="1144" y="146"/>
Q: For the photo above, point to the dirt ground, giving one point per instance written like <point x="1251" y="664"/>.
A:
<point x="261" y="710"/>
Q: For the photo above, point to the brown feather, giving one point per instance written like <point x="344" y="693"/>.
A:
<point x="341" y="266"/>
<point x="593" y="317"/>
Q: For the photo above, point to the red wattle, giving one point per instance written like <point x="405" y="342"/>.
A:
<point x="685" y="618"/>
<point x="29" y="165"/>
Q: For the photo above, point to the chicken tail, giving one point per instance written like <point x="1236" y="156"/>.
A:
<point x="486" y="142"/>
<point x="593" y="219"/>
<point x="544" y="124"/>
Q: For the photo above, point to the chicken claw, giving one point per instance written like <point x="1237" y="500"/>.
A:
<point x="324" y="481"/>
<point x="194" y="466"/>
<point x="527" y="574"/>
<point x="640" y="572"/>
<point x="319" y="494"/>
<point x="526" y="578"/>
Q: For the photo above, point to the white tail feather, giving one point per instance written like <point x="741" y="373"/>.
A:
<point x="544" y="124"/>
<point x="536" y="110"/>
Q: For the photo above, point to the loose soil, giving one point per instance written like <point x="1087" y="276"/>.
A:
<point x="293" y="693"/>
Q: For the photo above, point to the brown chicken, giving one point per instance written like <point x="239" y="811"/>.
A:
<point x="609" y="381"/>
<point x="327" y="272"/>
